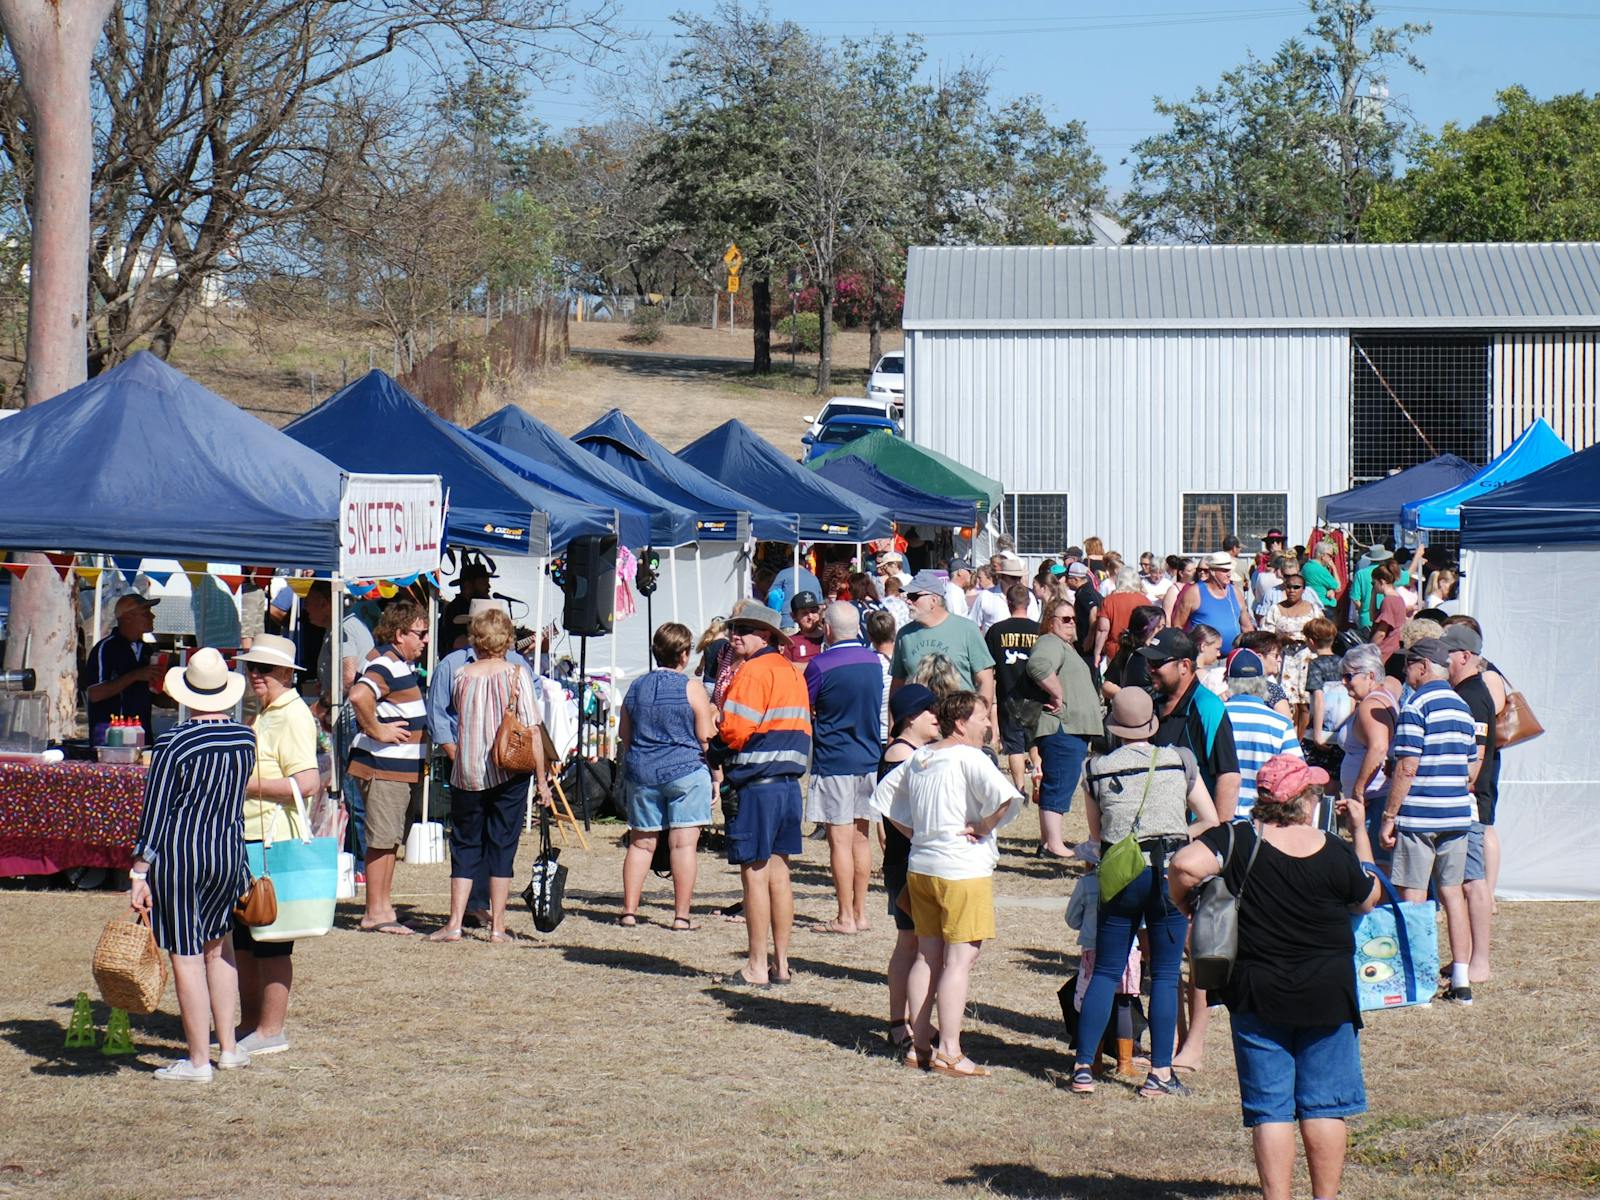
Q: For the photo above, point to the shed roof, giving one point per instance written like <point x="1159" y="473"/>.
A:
<point x="1436" y="285"/>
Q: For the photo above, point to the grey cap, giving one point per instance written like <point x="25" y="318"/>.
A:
<point x="926" y="582"/>
<point x="1429" y="650"/>
<point x="1461" y="637"/>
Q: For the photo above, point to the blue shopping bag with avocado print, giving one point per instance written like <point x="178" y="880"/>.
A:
<point x="1397" y="951"/>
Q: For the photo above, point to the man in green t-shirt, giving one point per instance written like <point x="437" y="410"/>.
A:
<point x="936" y="630"/>
<point x="1363" y="610"/>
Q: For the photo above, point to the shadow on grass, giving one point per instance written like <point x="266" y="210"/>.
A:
<point x="1020" y="1180"/>
<point x="1057" y="964"/>
<point x="629" y="960"/>
<point x="45" y="1040"/>
<point x="829" y="970"/>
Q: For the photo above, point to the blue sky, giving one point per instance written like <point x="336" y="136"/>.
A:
<point x="1102" y="63"/>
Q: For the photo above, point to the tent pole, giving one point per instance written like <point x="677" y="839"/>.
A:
<point x="674" y="552"/>
<point x="796" y="566"/>
<point x="538" y="602"/>
<point x="335" y="699"/>
<point x="699" y="591"/>
<point x="861" y="562"/>
<point x="99" y="583"/>
<point x="433" y="661"/>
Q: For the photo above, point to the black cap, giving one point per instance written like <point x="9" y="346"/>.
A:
<point x="803" y="601"/>
<point x="1170" y="644"/>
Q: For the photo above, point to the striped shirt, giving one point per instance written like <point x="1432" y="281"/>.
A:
<point x="399" y="695"/>
<point x="1435" y="727"/>
<point x="480" y="701"/>
<point x="766" y="721"/>
<point x="1258" y="734"/>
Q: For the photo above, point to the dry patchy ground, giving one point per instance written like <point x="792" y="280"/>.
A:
<point x="599" y="1061"/>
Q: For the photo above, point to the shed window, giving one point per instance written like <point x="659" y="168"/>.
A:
<point x="1208" y="517"/>
<point x="1038" y="521"/>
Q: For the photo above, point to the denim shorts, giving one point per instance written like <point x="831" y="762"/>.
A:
<point x="1292" y="1073"/>
<point x="676" y="804"/>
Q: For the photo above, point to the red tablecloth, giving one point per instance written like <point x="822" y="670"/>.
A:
<point x="55" y="816"/>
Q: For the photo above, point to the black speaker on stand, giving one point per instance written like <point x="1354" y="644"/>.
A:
<point x="588" y="611"/>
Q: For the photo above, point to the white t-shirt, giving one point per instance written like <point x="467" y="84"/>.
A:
<point x="955" y="599"/>
<point x="1155" y="592"/>
<point x="989" y="608"/>
<point x="937" y="793"/>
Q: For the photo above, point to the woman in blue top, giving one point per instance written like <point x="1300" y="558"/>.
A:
<point x="1213" y="599"/>
<point x="665" y="724"/>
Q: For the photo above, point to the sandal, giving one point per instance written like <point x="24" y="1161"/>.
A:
<point x="943" y="1064"/>
<point x="628" y="920"/>
<point x="741" y="981"/>
<point x="447" y="934"/>
<point x="901" y="1044"/>
<point x="1082" y="1080"/>
<point x="684" y="925"/>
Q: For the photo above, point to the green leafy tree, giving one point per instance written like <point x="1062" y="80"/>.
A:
<point x="1529" y="172"/>
<point x="1290" y="148"/>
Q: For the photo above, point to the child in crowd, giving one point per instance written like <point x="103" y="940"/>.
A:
<point x="1083" y="915"/>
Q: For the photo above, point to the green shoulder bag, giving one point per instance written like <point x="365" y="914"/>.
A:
<point x="1124" y="861"/>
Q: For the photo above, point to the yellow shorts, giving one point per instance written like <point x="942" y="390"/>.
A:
<point x="956" y="910"/>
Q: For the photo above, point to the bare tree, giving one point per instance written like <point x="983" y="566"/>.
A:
<point x="51" y="42"/>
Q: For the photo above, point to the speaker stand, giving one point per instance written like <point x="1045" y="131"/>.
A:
<point x="583" y="701"/>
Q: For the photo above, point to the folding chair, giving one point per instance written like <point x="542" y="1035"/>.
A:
<point x="563" y="808"/>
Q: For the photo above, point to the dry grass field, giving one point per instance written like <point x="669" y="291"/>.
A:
<point x="604" y="1062"/>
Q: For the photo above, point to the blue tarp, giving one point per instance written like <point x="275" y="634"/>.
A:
<point x="733" y="453"/>
<point x="908" y="505"/>
<point x="617" y="439"/>
<point x="142" y="460"/>
<point x="659" y="523"/>
<point x="1379" y="502"/>
<point x="1536" y="447"/>
<point x="1558" y="506"/>
<point x="375" y="425"/>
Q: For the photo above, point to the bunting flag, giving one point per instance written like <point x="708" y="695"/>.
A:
<point x="232" y="582"/>
<point x="260" y="576"/>
<point x="90" y="575"/>
<point x="62" y="562"/>
<point x="17" y="569"/>
<point x="194" y="569"/>
<point x="128" y="566"/>
<point x="159" y="578"/>
<point x="301" y="587"/>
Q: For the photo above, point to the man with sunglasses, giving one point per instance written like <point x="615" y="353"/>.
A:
<point x="390" y="753"/>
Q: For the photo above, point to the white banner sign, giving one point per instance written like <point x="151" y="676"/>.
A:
<point x="390" y="526"/>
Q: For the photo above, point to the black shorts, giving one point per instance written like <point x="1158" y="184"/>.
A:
<point x="243" y="943"/>
<point x="1013" y="736"/>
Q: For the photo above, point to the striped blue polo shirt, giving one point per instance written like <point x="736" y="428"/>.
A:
<point x="1435" y="727"/>
<point x="1258" y="734"/>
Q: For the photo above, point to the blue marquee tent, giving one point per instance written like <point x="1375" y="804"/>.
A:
<point x="733" y="453"/>
<point x="375" y="425"/>
<point x="142" y="460"/>
<point x="617" y="439"/>
<point x="1379" y="501"/>
<point x="1558" y="506"/>
<point x="1536" y="446"/>
<point x="908" y="505"/>
<point x="663" y="523"/>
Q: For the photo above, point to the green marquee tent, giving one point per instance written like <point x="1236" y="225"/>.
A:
<point x="922" y="468"/>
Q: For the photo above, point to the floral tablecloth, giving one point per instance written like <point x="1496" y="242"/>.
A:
<point x="55" y="816"/>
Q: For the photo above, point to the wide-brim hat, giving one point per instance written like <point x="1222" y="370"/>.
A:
<point x="1220" y="558"/>
<point x="1010" y="564"/>
<point x="752" y="612"/>
<point x="271" y="650"/>
<point x="205" y="684"/>
<point x="1132" y="715"/>
<point x="482" y="606"/>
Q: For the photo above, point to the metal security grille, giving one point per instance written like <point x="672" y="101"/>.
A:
<point x="1209" y="517"/>
<point x="1416" y="397"/>
<point x="1038" y="521"/>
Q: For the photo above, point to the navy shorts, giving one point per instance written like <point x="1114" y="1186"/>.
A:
<point x="244" y="943"/>
<point x="1013" y="736"/>
<point x="896" y="857"/>
<point x="767" y="823"/>
<point x="1291" y="1073"/>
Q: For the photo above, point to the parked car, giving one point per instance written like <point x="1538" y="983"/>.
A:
<point x="849" y="406"/>
<point x="840" y="431"/>
<point x="888" y="380"/>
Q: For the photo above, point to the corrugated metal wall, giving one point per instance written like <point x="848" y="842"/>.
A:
<point x="1125" y="422"/>
<point x="1555" y="376"/>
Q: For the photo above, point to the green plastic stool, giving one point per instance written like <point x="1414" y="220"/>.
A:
<point x="119" y="1040"/>
<point x="81" y="1032"/>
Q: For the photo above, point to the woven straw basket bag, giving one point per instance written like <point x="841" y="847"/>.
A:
<point x="129" y="967"/>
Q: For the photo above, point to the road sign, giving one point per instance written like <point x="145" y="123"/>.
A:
<point x="733" y="257"/>
<point x="733" y="282"/>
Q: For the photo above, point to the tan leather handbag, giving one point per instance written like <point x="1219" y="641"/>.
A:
<point x="514" y="742"/>
<point x="1515" y="722"/>
<point x="259" y="904"/>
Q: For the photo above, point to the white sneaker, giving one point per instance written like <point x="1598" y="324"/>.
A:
<point x="260" y="1043"/>
<point x="184" y="1071"/>
<point x="232" y="1060"/>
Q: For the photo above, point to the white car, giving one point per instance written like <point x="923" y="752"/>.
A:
<point x="850" y="406"/>
<point x="888" y="380"/>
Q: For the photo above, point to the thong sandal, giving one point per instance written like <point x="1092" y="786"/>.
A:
<point x="390" y="927"/>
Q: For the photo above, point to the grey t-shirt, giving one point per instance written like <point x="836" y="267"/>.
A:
<point x="956" y="638"/>
<point x="356" y="643"/>
<point x="1116" y="781"/>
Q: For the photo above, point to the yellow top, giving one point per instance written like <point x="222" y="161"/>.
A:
<point x="286" y="744"/>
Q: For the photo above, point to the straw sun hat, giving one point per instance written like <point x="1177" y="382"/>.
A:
<point x="205" y="684"/>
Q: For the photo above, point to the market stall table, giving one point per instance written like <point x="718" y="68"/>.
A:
<point x="56" y="816"/>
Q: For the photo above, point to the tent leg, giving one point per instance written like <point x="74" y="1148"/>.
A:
<point x="433" y="661"/>
<point x="99" y="594"/>
<point x="335" y="698"/>
<point x="699" y="591"/>
<point x="538" y="604"/>
<point x="674" y="552"/>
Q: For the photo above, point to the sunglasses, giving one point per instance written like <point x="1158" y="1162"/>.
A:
<point x="1348" y="676"/>
<point x="746" y="630"/>
<point x="1293" y="587"/>
<point x="256" y="668"/>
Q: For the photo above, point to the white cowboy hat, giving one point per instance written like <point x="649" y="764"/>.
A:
<point x="1220" y="558"/>
<point x="205" y="685"/>
<point x="271" y="650"/>
<point x="482" y="606"/>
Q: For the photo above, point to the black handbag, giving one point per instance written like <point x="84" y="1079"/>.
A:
<point x="547" y="890"/>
